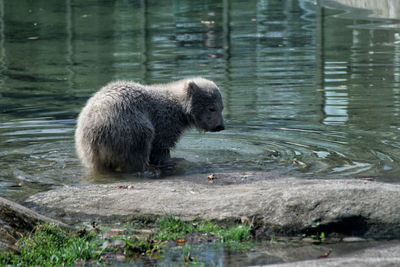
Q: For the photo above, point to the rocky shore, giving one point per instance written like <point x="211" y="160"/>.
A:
<point x="276" y="205"/>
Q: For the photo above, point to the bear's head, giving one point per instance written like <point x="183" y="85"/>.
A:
<point x="204" y="104"/>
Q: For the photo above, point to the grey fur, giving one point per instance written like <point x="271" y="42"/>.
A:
<point x="126" y="125"/>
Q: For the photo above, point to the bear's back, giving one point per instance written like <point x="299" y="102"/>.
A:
<point x="121" y="95"/>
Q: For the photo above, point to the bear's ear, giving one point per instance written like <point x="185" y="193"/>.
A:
<point x="191" y="87"/>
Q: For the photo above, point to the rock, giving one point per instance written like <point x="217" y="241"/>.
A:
<point x="21" y="218"/>
<point x="7" y="239"/>
<point x="308" y="240"/>
<point x="353" y="262"/>
<point x="284" y="205"/>
<point x="382" y="255"/>
<point x="16" y="220"/>
<point x="354" y="239"/>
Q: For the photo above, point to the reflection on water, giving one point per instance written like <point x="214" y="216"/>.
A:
<point x="306" y="88"/>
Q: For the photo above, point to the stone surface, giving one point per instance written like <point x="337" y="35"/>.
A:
<point x="283" y="205"/>
<point x="16" y="220"/>
<point x="381" y="255"/>
<point x="21" y="218"/>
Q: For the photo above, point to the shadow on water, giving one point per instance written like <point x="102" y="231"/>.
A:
<point x="177" y="168"/>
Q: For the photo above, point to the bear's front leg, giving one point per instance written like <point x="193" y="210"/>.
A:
<point x="161" y="158"/>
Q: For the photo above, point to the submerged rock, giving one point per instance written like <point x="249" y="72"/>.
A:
<point x="284" y="205"/>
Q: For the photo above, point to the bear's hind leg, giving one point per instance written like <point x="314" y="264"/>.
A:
<point x="138" y="145"/>
<point x="128" y="145"/>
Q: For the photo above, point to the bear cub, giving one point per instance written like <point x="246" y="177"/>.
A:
<point x="126" y="125"/>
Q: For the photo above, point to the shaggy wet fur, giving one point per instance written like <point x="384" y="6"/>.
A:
<point x="126" y="125"/>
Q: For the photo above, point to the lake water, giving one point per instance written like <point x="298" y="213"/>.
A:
<point x="307" y="88"/>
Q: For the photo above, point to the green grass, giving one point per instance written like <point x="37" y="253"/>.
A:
<point x="48" y="245"/>
<point x="143" y="246"/>
<point x="172" y="228"/>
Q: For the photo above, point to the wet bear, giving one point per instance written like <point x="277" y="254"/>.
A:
<point x="127" y="125"/>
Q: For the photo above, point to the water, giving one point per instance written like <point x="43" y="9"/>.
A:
<point x="306" y="88"/>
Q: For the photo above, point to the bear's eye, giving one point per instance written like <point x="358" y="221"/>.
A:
<point x="212" y="109"/>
